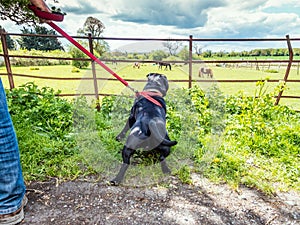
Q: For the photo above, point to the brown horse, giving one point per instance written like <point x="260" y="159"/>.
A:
<point x="136" y="65"/>
<point x="207" y="71"/>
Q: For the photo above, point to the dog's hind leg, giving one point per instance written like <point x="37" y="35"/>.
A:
<point x="118" y="179"/>
<point x="126" y="154"/>
<point x="164" y="167"/>
<point x="164" y="152"/>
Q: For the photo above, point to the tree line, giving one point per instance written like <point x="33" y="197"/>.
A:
<point x="252" y="53"/>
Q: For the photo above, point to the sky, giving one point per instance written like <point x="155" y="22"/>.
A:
<point x="181" y="18"/>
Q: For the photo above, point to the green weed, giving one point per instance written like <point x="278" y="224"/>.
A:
<point x="260" y="144"/>
<point x="184" y="174"/>
<point x="43" y="123"/>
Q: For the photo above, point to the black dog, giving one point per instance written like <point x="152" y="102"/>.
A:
<point x="147" y="124"/>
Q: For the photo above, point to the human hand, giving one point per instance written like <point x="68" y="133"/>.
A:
<point x="43" y="7"/>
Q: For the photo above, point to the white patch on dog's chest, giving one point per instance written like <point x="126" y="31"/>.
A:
<point x="136" y="130"/>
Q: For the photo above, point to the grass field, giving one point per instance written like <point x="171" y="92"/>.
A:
<point x="126" y="71"/>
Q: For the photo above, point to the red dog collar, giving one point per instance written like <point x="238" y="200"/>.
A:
<point x="148" y="94"/>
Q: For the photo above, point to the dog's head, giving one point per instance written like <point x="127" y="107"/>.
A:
<point x="158" y="83"/>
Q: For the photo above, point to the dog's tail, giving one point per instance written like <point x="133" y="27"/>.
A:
<point x="158" y="131"/>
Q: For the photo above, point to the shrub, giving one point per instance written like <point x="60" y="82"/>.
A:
<point x="76" y="53"/>
<point x="42" y="108"/>
<point x="259" y="144"/>
<point x="34" y="68"/>
<point x="271" y="71"/>
<point x="43" y="123"/>
<point x="75" y="70"/>
<point x="39" y="62"/>
<point x="238" y="139"/>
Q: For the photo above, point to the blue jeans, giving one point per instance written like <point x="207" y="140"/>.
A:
<point x="12" y="187"/>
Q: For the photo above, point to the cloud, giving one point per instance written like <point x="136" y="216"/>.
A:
<point x="177" y="13"/>
<point x="179" y="19"/>
<point x="81" y="7"/>
<point x="246" y="5"/>
<point x="248" y="20"/>
<point x="280" y="3"/>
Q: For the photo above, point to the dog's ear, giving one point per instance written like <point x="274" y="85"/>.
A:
<point x="166" y="83"/>
<point x="151" y="74"/>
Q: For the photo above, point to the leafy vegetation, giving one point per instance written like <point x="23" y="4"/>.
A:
<point x="17" y="11"/>
<point x="16" y="61"/>
<point x="9" y="41"/>
<point x="39" y="42"/>
<point x="95" y="28"/>
<point x="260" y="144"/>
<point x="43" y="124"/>
<point x="76" y="53"/>
<point x="239" y="139"/>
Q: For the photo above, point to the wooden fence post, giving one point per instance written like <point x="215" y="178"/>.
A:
<point x="190" y="60"/>
<point x="6" y="59"/>
<point x="94" y="73"/>
<point x="291" y="55"/>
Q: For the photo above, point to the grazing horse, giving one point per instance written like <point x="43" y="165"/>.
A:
<point x="136" y="65"/>
<point x="166" y="65"/>
<point x="207" y="71"/>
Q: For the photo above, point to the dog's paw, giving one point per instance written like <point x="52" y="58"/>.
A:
<point x="120" y="137"/>
<point x="113" y="183"/>
<point x="164" y="167"/>
<point x="166" y="170"/>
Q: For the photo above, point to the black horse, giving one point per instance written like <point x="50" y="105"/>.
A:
<point x="166" y="65"/>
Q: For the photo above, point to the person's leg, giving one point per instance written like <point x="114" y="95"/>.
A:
<point x="12" y="187"/>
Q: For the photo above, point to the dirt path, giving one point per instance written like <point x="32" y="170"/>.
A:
<point x="88" y="202"/>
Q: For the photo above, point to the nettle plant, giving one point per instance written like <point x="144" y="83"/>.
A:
<point x="41" y="108"/>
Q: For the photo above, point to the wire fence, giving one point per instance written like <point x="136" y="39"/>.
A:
<point x="190" y="62"/>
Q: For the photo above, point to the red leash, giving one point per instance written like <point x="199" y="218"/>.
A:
<point x="59" y="17"/>
<point x="59" y="30"/>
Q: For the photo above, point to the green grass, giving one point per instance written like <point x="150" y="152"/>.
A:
<point x="237" y="140"/>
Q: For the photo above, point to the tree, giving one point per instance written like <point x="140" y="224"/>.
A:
<point x="255" y="52"/>
<point x="207" y="54"/>
<point x="184" y="54"/>
<point x="95" y="27"/>
<point x="172" y="46"/>
<point x="17" y="11"/>
<point x="76" y="53"/>
<point x="9" y="42"/>
<point x="39" y="43"/>
<point x="158" y="55"/>
<point x="221" y="53"/>
<point x="198" y="48"/>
